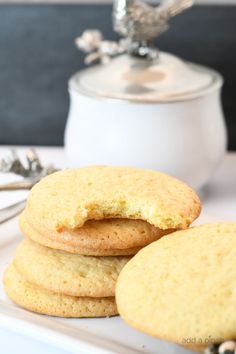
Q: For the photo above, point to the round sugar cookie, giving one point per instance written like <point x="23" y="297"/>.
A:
<point x="39" y="300"/>
<point x="182" y="288"/>
<point x="103" y="237"/>
<point x="66" y="273"/>
<point x="65" y="200"/>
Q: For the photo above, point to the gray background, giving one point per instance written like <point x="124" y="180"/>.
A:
<point x="37" y="56"/>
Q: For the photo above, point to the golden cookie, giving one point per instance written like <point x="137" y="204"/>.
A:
<point x="103" y="237"/>
<point x="66" y="273"/>
<point x="39" y="300"/>
<point x="65" y="200"/>
<point x="182" y="288"/>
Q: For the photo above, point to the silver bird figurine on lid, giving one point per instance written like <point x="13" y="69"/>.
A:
<point x="136" y="21"/>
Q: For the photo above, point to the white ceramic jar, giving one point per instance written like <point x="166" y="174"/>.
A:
<point x="165" y="116"/>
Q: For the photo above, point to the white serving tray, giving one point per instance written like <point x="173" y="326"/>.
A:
<point x="80" y="336"/>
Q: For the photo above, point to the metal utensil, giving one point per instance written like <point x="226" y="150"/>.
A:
<point x="11" y="211"/>
<point x="32" y="173"/>
<point x="13" y="186"/>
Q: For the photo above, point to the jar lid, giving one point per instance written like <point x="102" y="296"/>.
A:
<point x="133" y="79"/>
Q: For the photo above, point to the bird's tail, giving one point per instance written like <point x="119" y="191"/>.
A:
<point x="174" y="7"/>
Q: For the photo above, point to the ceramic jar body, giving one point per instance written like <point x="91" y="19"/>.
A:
<point x="186" y="139"/>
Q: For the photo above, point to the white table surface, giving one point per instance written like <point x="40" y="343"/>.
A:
<point x="219" y="201"/>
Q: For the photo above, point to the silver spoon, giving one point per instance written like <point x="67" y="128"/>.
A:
<point x="11" y="211"/>
<point x="32" y="174"/>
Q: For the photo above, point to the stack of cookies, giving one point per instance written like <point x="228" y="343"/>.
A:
<point x="82" y="226"/>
